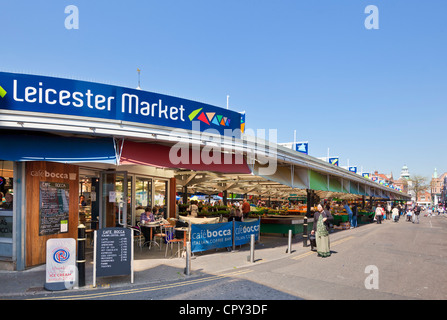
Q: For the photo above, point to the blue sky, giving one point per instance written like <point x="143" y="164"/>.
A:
<point x="375" y="97"/>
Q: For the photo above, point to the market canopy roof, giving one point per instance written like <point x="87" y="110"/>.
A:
<point x="33" y="146"/>
<point x="158" y="155"/>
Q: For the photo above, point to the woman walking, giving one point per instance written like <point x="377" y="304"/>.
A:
<point x="321" y="231"/>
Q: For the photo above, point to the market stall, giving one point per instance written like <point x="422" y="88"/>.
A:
<point x="282" y="224"/>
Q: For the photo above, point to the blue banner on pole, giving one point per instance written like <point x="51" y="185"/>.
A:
<point x="211" y="236"/>
<point x="302" y="147"/>
<point x="244" y="230"/>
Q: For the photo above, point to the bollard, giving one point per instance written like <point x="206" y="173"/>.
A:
<point x="252" y="248"/>
<point x="188" y="258"/>
<point x="234" y="245"/>
<point x="289" y="247"/>
<point x="305" y="232"/>
<point x="81" y="255"/>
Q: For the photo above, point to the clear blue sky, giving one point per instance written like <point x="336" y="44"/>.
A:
<point x="375" y="97"/>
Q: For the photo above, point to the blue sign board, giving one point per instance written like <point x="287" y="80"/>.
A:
<point x="302" y="147"/>
<point x="211" y="236"/>
<point x="20" y="92"/>
<point x="334" y="161"/>
<point x="353" y="169"/>
<point x="244" y="230"/>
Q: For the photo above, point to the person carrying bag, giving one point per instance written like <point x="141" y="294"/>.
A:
<point x="379" y="214"/>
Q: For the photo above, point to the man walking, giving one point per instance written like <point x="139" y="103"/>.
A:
<point x="417" y="211"/>
<point x="379" y="214"/>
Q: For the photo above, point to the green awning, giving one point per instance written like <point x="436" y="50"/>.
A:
<point x="334" y="185"/>
<point x="362" y="190"/>
<point x="346" y="186"/>
<point x="317" y="181"/>
<point x="353" y="188"/>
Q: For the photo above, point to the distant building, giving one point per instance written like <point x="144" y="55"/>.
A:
<point x="424" y="198"/>
<point x="438" y="185"/>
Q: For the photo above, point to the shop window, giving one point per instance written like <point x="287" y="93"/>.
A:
<point x="160" y="196"/>
<point x="143" y="195"/>
<point x="6" y="199"/>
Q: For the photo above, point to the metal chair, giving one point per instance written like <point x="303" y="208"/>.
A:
<point x="170" y="242"/>
<point x="161" y="234"/>
<point x="138" y="236"/>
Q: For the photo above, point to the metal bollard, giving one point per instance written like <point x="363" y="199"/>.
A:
<point x="188" y="258"/>
<point x="252" y="248"/>
<point x="305" y="232"/>
<point x="81" y="255"/>
<point x="289" y="246"/>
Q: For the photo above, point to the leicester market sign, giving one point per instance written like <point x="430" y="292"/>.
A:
<point x="33" y="93"/>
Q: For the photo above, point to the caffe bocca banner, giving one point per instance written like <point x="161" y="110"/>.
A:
<point x="244" y="230"/>
<point x="21" y="92"/>
<point x="211" y="236"/>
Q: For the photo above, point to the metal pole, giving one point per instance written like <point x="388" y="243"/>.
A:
<point x="94" y="258"/>
<point x="289" y="247"/>
<point x="188" y="258"/>
<point x="81" y="255"/>
<point x="309" y="205"/>
<point x="234" y="232"/>
<point x="252" y="248"/>
<point x="305" y="232"/>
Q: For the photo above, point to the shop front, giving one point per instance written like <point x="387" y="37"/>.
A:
<point x="76" y="152"/>
<point x="61" y="158"/>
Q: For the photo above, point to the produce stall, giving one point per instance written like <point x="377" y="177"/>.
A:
<point x="365" y="216"/>
<point x="282" y="224"/>
<point x="339" y="213"/>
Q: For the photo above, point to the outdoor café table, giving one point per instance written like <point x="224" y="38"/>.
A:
<point x="192" y="220"/>
<point x="150" y="225"/>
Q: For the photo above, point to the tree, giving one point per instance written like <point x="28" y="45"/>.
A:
<point x="418" y="184"/>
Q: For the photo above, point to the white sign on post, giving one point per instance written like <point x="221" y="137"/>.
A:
<point x="61" y="264"/>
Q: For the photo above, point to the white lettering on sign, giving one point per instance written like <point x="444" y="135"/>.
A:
<point x="63" y="97"/>
<point x="57" y="175"/>
<point x="131" y="103"/>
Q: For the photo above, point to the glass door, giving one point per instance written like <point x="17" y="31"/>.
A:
<point x="115" y="200"/>
<point x="143" y="195"/>
<point x="161" y="196"/>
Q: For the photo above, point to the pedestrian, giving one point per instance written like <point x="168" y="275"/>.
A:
<point x="395" y="213"/>
<point x="379" y="213"/>
<point x="354" y="216"/>
<point x="409" y="214"/>
<point x="349" y="212"/>
<point x="245" y="208"/>
<point x="417" y="211"/>
<point x="321" y="231"/>
<point x="388" y="211"/>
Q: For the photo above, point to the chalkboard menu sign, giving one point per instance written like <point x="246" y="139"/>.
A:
<point x="53" y="208"/>
<point x="114" y="252"/>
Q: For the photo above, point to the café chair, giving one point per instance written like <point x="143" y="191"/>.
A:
<point x="162" y="233"/>
<point x="170" y="242"/>
<point x="138" y="236"/>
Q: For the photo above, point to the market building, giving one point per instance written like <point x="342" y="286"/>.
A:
<point x="122" y="150"/>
